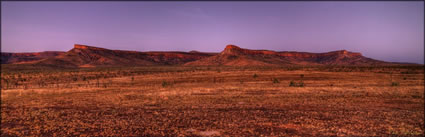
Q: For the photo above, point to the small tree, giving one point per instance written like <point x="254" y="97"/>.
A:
<point x="255" y="76"/>
<point x="292" y="84"/>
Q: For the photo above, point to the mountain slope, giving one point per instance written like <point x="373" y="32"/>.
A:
<point x="88" y="56"/>
<point x="235" y="56"/>
<point x="16" y="58"/>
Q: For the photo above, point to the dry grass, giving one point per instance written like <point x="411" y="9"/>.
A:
<point x="208" y="102"/>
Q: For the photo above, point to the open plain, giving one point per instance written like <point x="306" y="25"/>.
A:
<point x="212" y="101"/>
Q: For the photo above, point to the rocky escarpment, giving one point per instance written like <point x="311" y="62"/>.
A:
<point x="233" y="55"/>
<point x="90" y="56"/>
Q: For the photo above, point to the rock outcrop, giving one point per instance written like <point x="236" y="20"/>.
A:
<point x="235" y="56"/>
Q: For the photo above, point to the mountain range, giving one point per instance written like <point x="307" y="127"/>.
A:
<point x="232" y="55"/>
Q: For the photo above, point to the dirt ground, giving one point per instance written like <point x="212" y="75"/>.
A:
<point x="213" y="101"/>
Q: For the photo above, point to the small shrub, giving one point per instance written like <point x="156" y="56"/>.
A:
<point x="296" y="84"/>
<point x="416" y="96"/>
<point x="301" y="84"/>
<point x="408" y="72"/>
<point x="165" y="84"/>
<point x="255" y="76"/>
<point x="292" y="84"/>
<point x="395" y="84"/>
<point x="275" y="80"/>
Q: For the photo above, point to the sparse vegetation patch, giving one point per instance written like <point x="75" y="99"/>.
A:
<point x="198" y="101"/>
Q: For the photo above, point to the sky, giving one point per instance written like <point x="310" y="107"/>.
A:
<point x="389" y="31"/>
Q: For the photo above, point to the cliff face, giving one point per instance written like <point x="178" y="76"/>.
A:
<point x="85" y="47"/>
<point x="235" y="50"/>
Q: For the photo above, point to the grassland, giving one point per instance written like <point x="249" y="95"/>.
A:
<point x="213" y="101"/>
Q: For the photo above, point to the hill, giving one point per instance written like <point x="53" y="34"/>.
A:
<point x="235" y="56"/>
<point x="89" y="56"/>
<point x="16" y="58"/>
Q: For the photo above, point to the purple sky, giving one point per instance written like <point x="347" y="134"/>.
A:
<point x="389" y="31"/>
